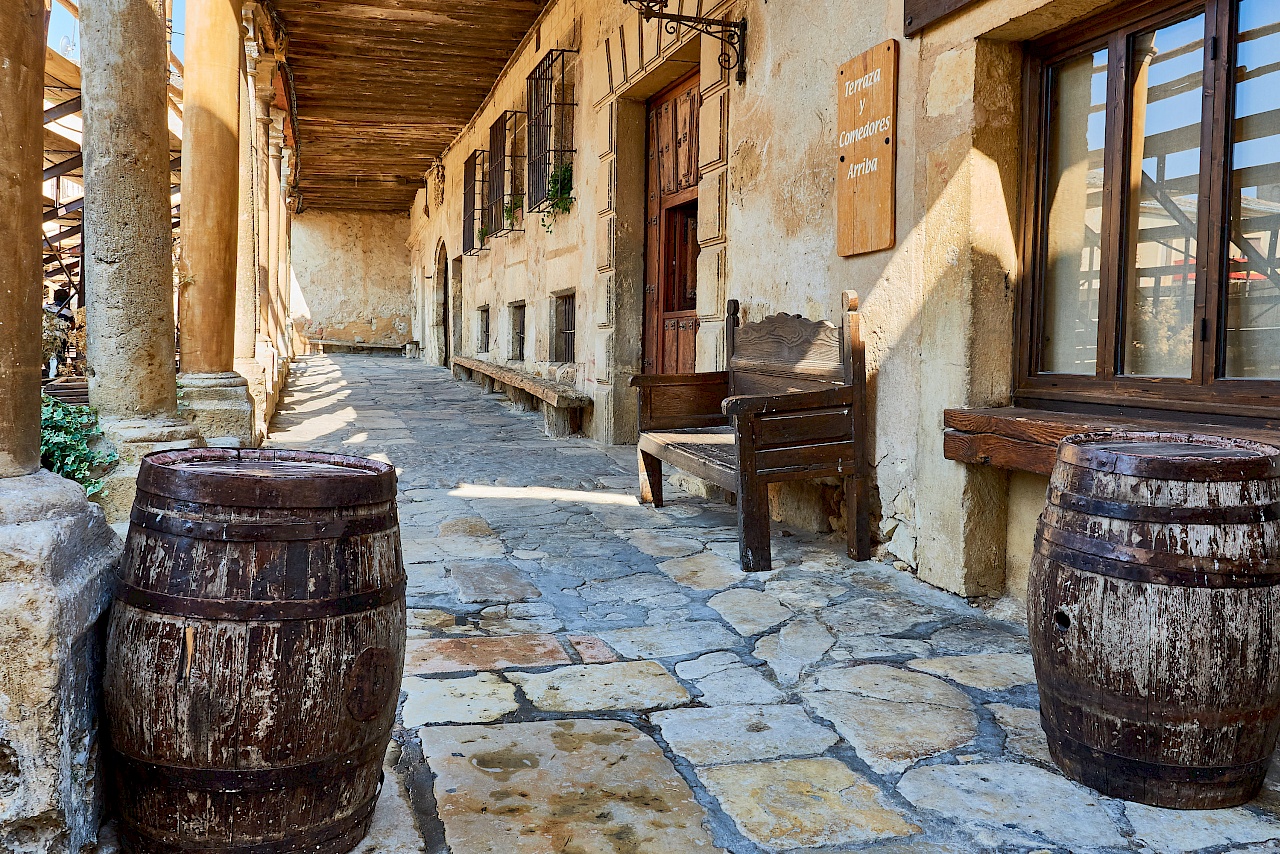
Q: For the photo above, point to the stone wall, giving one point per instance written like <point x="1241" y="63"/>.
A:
<point x="351" y="279"/>
<point x="937" y="309"/>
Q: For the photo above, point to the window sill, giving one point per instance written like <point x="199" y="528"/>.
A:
<point x="1021" y="439"/>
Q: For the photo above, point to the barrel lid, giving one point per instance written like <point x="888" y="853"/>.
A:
<point x="265" y="478"/>
<point x="1172" y="456"/>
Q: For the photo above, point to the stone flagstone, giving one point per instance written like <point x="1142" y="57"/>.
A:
<point x="890" y="683"/>
<point x="800" y="643"/>
<point x="476" y="699"/>
<point x="461" y="655"/>
<point x="1183" y="831"/>
<point x="723" y="734"/>
<point x="704" y="571"/>
<point x="1024" y="735"/>
<point x="989" y="672"/>
<point x="889" y="736"/>
<point x="804" y="803"/>
<point x="491" y="582"/>
<point x="671" y="639"/>
<point x="1014" y="803"/>
<point x="552" y="787"/>
<point x="639" y="685"/>
<point x="750" y="612"/>
<point x="725" y="680"/>
<point x="664" y="545"/>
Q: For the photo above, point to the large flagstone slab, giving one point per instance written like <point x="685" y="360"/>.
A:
<point x="463" y="655"/>
<point x="474" y="699"/>
<point x="590" y="787"/>
<point x="804" y="803"/>
<point x="989" y="672"/>
<point x="671" y="639"/>
<point x="890" y="736"/>
<point x="723" y="734"/>
<point x="638" y="685"/>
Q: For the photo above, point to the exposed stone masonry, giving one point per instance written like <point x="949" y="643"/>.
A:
<point x="587" y="674"/>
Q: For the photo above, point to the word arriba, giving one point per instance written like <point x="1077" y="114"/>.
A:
<point x="866" y="167"/>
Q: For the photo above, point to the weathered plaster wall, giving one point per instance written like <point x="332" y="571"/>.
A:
<point x="937" y="310"/>
<point x="351" y="278"/>
<point x="1026" y="502"/>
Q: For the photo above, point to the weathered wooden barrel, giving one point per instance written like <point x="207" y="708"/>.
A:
<point x="1154" y="610"/>
<point x="255" y="651"/>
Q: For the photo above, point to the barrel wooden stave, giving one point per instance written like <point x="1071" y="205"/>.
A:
<point x="1156" y="647"/>
<point x="240" y="735"/>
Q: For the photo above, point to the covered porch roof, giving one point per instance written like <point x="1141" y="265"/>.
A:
<point x="379" y="88"/>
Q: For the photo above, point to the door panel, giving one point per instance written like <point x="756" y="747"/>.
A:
<point x="671" y="258"/>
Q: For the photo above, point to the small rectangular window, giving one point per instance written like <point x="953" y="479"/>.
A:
<point x="507" y="154"/>
<point x="566" y="328"/>
<point x="517" y="332"/>
<point x="482" y="336"/>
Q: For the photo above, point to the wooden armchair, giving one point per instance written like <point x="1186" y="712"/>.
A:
<point x="792" y="406"/>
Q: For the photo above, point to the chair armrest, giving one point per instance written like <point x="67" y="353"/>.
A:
<point x="651" y="380"/>
<point x="797" y="402"/>
<point x="680" y="401"/>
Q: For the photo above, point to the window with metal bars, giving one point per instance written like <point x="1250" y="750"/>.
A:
<point x="552" y="103"/>
<point x="482" y="336"/>
<point x="566" y="327"/>
<point x="475" y="214"/>
<point x="517" y="332"/>
<point x="506" y="173"/>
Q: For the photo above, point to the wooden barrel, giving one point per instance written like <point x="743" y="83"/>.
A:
<point x="255" y="651"/>
<point x="1155" y="616"/>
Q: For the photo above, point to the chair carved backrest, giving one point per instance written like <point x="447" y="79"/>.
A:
<point x="787" y="353"/>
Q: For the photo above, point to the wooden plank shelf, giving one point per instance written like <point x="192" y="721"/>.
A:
<point x="1022" y="439"/>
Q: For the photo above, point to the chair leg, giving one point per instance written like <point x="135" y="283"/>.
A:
<point x="857" y="518"/>
<point x="650" y="479"/>
<point x="753" y="527"/>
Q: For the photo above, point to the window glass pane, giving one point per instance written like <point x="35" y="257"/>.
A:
<point x="1253" y="283"/>
<point x="1073" y="209"/>
<point x="1164" y="183"/>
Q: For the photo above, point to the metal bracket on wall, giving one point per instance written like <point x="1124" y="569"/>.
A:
<point x="732" y="34"/>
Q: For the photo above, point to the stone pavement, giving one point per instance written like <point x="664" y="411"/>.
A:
<point x="586" y="674"/>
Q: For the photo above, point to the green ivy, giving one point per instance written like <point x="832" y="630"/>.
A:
<point x="66" y="433"/>
<point x="514" y="208"/>
<point x="559" y="195"/>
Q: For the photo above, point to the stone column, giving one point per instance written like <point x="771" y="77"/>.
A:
<point x="56" y="550"/>
<point x="246" y="340"/>
<point x="214" y="396"/>
<point x="276" y="202"/>
<point x="128" y="239"/>
<point x="285" y="275"/>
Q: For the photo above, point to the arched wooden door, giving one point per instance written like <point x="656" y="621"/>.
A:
<point x="671" y="252"/>
<point x="444" y="306"/>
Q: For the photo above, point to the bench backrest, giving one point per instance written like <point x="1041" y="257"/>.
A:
<point x="787" y="353"/>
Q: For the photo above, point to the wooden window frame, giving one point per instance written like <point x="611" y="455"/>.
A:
<point x="1207" y="391"/>
<point x="552" y="103"/>
<point x="506" y="173"/>
<point x="482" y="343"/>
<point x="566" y="326"/>
<point x="519" y="328"/>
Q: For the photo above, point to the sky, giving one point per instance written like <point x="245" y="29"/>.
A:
<point x="62" y="30"/>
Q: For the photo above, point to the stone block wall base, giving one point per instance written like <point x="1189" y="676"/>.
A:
<point x="133" y="440"/>
<point x="57" y="555"/>
<point x="701" y="488"/>
<point x="219" y="406"/>
<point x="255" y="375"/>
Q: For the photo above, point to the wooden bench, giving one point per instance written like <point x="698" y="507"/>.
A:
<point x="792" y="406"/>
<point x="562" y="405"/>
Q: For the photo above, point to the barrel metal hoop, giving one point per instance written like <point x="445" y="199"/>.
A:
<point x="1125" y="766"/>
<point x="261" y="532"/>
<point x="335" y="838"/>
<point x="1086" y="451"/>
<point x="1148" y="567"/>
<point x="251" y="611"/>
<point x="1255" y="515"/>
<point x="223" y="780"/>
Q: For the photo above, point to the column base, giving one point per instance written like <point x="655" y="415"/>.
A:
<point x="57" y="557"/>
<point x="219" y="405"/>
<point x="256" y="375"/>
<point x="133" y="440"/>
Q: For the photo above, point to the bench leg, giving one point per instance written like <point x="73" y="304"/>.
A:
<point x="486" y="384"/>
<point x="650" y="479"/>
<point x="753" y="527"/>
<point x="857" y="517"/>
<point x="558" y="422"/>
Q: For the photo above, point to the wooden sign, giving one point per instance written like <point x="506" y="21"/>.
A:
<point x="866" y="185"/>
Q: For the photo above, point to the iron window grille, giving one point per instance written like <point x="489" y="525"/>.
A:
<point x="475" y="214"/>
<point x="506" y="173"/>
<point x="566" y="327"/>
<point x="552" y="103"/>
<point x="517" y="332"/>
<point x="482" y="345"/>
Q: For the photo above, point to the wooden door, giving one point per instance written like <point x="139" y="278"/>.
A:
<point x="671" y="258"/>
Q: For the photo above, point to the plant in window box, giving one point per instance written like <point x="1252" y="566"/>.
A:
<point x="484" y="234"/>
<point x="559" y="195"/>
<point x="513" y="212"/>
